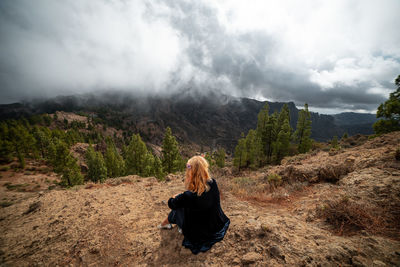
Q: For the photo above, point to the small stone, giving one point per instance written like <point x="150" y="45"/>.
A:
<point x="276" y="252"/>
<point x="33" y="207"/>
<point x="251" y="257"/>
<point x="236" y="261"/>
<point x="94" y="250"/>
<point x="377" y="263"/>
<point x="358" y="261"/>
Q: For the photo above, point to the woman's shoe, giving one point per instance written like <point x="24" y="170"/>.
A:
<point x="165" y="226"/>
<point x="179" y="230"/>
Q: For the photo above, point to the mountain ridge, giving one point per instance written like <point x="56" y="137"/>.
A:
<point x="208" y="120"/>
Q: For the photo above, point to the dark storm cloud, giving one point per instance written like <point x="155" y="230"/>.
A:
<point x="263" y="50"/>
<point x="250" y="61"/>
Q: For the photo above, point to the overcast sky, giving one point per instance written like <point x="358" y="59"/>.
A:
<point x="334" y="55"/>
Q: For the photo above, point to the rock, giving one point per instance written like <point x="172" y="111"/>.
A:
<point x="358" y="261"/>
<point x="236" y="261"/>
<point x="266" y="228"/>
<point x="94" y="250"/>
<point x="251" y="257"/>
<point x="378" y="263"/>
<point x="276" y="252"/>
<point x="33" y="207"/>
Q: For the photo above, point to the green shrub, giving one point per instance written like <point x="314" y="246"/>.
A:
<point x="16" y="187"/>
<point x="370" y="137"/>
<point x="51" y="187"/>
<point x="5" y="204"/>
<point x="274" y="179"/>
<point x="334" y="143"/>
<point x="4" y="168"/>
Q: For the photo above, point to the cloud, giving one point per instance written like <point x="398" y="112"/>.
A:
<point x="62" y="47"/>
<point x="341" y="55"/>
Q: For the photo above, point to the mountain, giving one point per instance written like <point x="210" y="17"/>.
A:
<point x="355" y="123"/>
<point x="209" y="121"/>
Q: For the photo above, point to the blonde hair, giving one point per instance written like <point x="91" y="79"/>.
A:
<point x="197" y="175"/>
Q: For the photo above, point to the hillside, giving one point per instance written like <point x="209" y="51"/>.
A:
<point x="273" y="224"/>
<point x="209" y="121"/>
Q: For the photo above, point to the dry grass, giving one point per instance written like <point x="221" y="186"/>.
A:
<point x="332" y="173"/>
<point x="266" y="189"/>
<point x="120" y="180"/>
<point x="348" y="217"/>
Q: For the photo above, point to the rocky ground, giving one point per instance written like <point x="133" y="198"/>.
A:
<point x="116" y="223"/>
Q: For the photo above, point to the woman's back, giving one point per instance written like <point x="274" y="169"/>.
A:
<point x="203" y="214"/>
<point x="197" y="210"/>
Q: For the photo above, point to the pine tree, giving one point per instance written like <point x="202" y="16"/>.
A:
<point x="209" y="159"/>
<point x="284" y="114"/>
<point x="22" y="141"/>
<point x="97" y="170"/>
<point x="239" y="159"/>
<point x="158" y="171"/>
<point x="148" y="165"/>
<point x="59" y="156"/>
<point x="271" y="135"/>
<point x="71" y="174"/>
<point x="303" y="130"/>
<point x="251" y="155"/>
<point x="42" y="138"/>
<point x="262" y="121"/>
<point x="6" y="146"/>
<point x="114" y="162"/>
<point x="282" y="144"/>
<point x="220" y="158"/>
<point x="389" y="112"/>
<point x="136" y="156"/>
<point x="171" y="157"/>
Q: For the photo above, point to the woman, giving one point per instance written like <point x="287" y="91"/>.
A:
<point x="197" y="211"/>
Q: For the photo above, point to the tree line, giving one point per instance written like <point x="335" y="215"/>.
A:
<point x="135" y="158"/>
<point x="273" y="138"/>
<point x="34" y="138"/>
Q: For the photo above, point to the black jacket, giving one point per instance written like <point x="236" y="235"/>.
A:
<point x="204" y="221"/>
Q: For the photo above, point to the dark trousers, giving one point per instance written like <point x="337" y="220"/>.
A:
<point x="176" y="217"/>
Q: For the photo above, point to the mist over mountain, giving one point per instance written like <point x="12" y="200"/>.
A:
<point x="207" y="120"/>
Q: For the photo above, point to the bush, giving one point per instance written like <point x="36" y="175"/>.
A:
<point x="274" y="179"/>
<point x="332" y="173"/>
<point x="51" y="187"/>
<point x="317" y="146"/>
<point x="16" y="187"/>
<point x="4" y="168"/>
<point x="5" y="204"/>
<point x="348" y="216"/>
